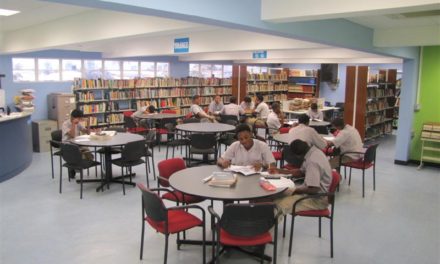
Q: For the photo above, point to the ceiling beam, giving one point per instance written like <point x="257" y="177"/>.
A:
<point x="399" y="37"/>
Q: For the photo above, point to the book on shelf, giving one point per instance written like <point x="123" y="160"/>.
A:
<point x="222" y="179"/>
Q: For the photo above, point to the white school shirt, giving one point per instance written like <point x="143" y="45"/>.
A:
<point x="263" y="110"/>
<point x="317" y="170"/>
<point x="247" y="106"/>
<point x="259" y="152"/>
<point x="273" y="123"/>
<point x="349" y="140"/>
<point x="315" y="115"/>
<point x="232" y="109"/>
<point x="214" y="107"/>
<point x="67" y="125"/>
<point x="308" y="135"/>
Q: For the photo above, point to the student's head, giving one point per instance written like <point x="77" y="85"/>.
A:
<point x="247" y="99"/>
<point x="217" y="99"/>
<point x="314" y="107"/>
<point x="304" y="119"/>
<point x="260" y="98"/>
<point x="151" y="109"/>
<point x="76" y="116"/>
<point x="233" y="100"/>
<point x="338" y="123"/>
<point x="244" y="135"/>
<point x="196" y="99"/>
<point x="299" y="147"/>
<point x="276" y="107"/>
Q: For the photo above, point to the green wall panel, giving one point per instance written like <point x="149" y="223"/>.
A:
<point x="429" y="96"/>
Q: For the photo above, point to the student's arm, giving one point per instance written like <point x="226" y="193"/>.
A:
<point x="224" y="163"/>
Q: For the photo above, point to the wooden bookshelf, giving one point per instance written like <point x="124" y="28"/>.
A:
<point x="303" y="83"/>
<point x="104" y="101"/>
<point x="272" y="85"/>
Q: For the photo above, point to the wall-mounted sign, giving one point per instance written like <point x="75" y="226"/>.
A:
<point x="259" y="54"/>
<point x="181" y="45"/>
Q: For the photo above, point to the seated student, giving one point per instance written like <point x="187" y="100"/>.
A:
<point x="232" y="108"/>
<point x="347" y="140"/>
<point x="275" y="119"/>
<point x="148" y="123"/>
<point x="215" y="106"/>
<point x="247" y="151"/>
<point x="308" y="134"/>
<point x="262" y="109"/>
<point x="198" y="112"/>
<point x="247" y="105"/>
<point x="72" y="128"/>
<point x="314" y="112"/>
<point x="318" y="176"/>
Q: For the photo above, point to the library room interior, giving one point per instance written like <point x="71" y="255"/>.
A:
<point x="196" y="131"/>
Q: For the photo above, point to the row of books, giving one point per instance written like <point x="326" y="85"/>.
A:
<point x="377" y="92"/>
<point x="259" y="87"/>
<point x="302" y="73"/>
<point x="89" y="96"/>
<point x="93" y="108"/>
<point x="378" y="105"/>
<point x="301" y="89"/>
<point x="148" y="82"/>
<point x="267" y="77"/>
<point x="275" y="97"/>
<point x="115" y="118"/>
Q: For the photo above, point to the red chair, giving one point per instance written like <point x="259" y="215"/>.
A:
<point x="131" y="126"/>
<point x="169" y="111"/>
<point x="172" y="220"/>
<point x="284" y="130"/>
<point x="367" y="161"/>
<point x="166" y="169"/>
<point x="326" y="213"/>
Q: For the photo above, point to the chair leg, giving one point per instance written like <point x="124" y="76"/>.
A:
<point x="374" y="176"/>
<point x="142" y="239"/>
<point x="363" y="183"/>
<point x="204" y="242"/>
<point x="349" y="179"/>
<point x="146" y="172"/>
<point x="284" y="226"/>
<point x="331" y="237"/>
<point x="275" y="244"/>
<point x="291" y="235"/>
<point x="61" y="177"/>
<point x="51" y="161"/>
<point x="81" y="183"/>
<point x="129" y="169"/>
<point x="123" y="180"/>
<point x="319" y="227"/>
<point x="153" y="164"/>
<point x="166" y="249"/>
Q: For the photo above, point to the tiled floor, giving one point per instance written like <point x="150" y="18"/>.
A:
<point x="398" y="223"/>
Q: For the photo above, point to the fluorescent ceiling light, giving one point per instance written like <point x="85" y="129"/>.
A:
<point x="7" y="12"/>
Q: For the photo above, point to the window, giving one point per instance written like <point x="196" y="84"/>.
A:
<point x="205" y="70"/>
<point x="23" y="69"/>
<point x="217" y="70"/>
<point x="194" y="70"/>
<point x="93" y="69"/>
<point x="227" y="71"/>
<point x="162" y="69"/>
<point x="130" y="69"/>
<point x="147" y="69"/>
<point x="112" y="69"/>
<point x="71" y="69"/>
<point x="48" y="69"/>
<point x="209" y="70"/>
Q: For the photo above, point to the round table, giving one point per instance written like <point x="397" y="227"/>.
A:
<point x="313" y="123"/>
<point x="158" y="116"/>
<point x="119" y="139"/>
<point x="205" y="127"/>
<point x="283" y="138"/>
<point x="190" y="181"/>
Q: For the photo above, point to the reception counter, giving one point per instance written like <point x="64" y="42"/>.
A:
<point x="15" y="144"/>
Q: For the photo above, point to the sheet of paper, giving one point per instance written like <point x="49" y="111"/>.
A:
<point x="245" y="170"/>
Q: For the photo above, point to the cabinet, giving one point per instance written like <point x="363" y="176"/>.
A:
<point x="104" y="101"/>
<point x="370" y="100"/>
<point x="430" y="138"/>
<point x="303" y="83"/>
<point x="273" y="85"/>
<point x="41" y="134"/>
<point x="60" y="105"/>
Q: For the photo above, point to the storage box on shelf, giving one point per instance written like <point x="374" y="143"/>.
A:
<point x="103" y="101"/>
<point x="430" y="137"/>
<point x="303" y="83"/>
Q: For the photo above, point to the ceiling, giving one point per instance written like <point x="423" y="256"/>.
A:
<point x="114" y="34"/>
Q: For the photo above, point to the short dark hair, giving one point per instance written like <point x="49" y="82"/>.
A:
<point x="151" y="109"/>
<point x="247" y="99"/>
<point x="195" y="97"/>
<point x="76" y="113"/>
<point x="260" y="97"/>
<point x="276" y="106"/>
<point x="233" y="100"/>
<point x="338" y="123"/>
<point x="242" y="127"/>
<point x="314" y="106"/>
<point x="304" y="119"/>
<point x="299" y="147"/>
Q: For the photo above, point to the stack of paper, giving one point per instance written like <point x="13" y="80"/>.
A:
<point x="222" y="179"/>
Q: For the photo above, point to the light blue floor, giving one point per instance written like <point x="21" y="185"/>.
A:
<point x="398" y="223"/>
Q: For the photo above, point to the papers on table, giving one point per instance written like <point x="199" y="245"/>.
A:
<point x="245" y="170"/>
<point x="222" y="179"/>
<point x="329" y="138"/>
<point x="103" y="135"/>
<point x="82" y="138"/>
<point x="281" y="182"/>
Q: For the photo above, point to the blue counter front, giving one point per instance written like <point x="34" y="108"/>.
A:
<point x="15" y="145"/>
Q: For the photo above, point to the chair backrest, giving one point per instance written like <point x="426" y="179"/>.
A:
<point x="169" y="111"/>
<point x="57" y="137"/>
<point x="133" y="151"/>
<point x="336" y="178"/>
<point x="129" y="121"/>
<point x="168" y="167"/>
<point x="248" y="220"/>
<point x="189" y="115"/>
<point x="128" y="113"/>
<point x="340" y="105"/>
<point x="203" y="141"/>
<point x="321" y="129"/>
<point x="152" y="204"/>
<point x="284" y="130"/>
<point x="71" y="153"/>
<point x="229" y="119"/>
<point x="191" y="120"/>
<point x="370" y="153"/>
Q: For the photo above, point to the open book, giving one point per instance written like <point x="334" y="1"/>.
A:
<point x="222" y="179"/>
<point x="245" y="170"/>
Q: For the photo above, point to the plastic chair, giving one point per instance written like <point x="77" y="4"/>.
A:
<point x="172" y="220"/>
<point x="245" y="225"/>
<point x="131" y="125"/>
<point x="229" y="119"/>
<point x="367" y="161"/>
<point x="203" y="144"/>
<point x="326" y="213"/>
<point x="55" y="147"/>
<point x="73" y="157"/>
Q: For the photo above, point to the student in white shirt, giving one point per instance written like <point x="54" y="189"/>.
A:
<point x="262" y="109"/>
<point x="315" y="113"/>
<point x="247" y="151"/>
<point x="307" y="134"/>
<point x="215" y="106"/>
<point x="247" y="105"/>
<point x="232" y="108"/>
<point x="347" y="140"/>
<point x="275" y="119"/>
<point x="198" y="112"/>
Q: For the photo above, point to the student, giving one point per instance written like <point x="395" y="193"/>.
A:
<point x="347" y="140"/>
<point x="143" y="122"/>
<point x="198" y="112"/>
<point x="215" y="106"/>
<point x="262" y="109"/>
<point x="318" y="176"/>
<point x="232" y="108"/>
<point x="314" y="113"/>
<point x="247" y="105"/>
<point x="275" y="119"/>
<point x="307" y="134"/>
<point x="72" y="128"/>
<point x="247" y="151"/>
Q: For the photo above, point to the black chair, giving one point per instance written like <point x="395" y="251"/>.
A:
<point x="74" y="161"/>
<point x="149" y="154"/>
<point x="172" y="220"/>
<point x="131" y="155"/>
<point x="229" y="119"/>
<point x="321" y="129"/>
<point x="114" y="149"/>
<point x="203" y="144"/>
<point x="243" y="225"/>
<point x="55" y="147"/>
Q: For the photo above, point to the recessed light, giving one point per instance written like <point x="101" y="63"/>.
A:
<point x="7" y="12"/>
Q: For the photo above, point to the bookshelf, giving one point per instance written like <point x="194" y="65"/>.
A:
<point x="272" y="85"/>
<point x="303" y="83"/>
<point x="430" y="137"/>
<point x="104" y="101"/>
<point x="370" y="99"/>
